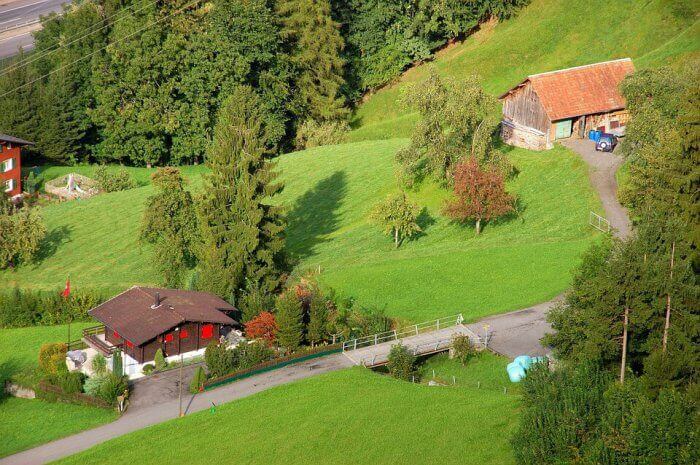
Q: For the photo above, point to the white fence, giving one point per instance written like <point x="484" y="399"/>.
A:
<point x="598" y="222"/>
<point x="408" y="331"/>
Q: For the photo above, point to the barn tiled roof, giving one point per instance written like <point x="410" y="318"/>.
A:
<point x="582" y="90"/>
<point x="14" y="140"/>
<point x="133" y="316"/>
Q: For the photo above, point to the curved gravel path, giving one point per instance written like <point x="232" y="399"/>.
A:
<point x="603" y="166"/>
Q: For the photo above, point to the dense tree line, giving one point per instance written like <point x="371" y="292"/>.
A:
<point x="142" y="82"/>
<point x="628" y="332"/>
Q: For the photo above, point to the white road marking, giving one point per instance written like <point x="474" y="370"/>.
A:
<point x="24" y="6"/>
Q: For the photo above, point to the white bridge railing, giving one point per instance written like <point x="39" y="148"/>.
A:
<point x="408" y="331"/>
<point x="598" y="222"/>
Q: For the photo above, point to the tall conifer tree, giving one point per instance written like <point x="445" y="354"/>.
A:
<point x="242" y="234"/>
<point x="314" y="44"/>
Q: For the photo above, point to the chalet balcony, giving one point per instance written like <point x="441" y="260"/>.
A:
<point x="95" y="337"/>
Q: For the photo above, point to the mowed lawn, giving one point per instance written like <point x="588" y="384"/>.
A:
<point x="25" y="423"/>
<point x="330" y="192"/>
<point x="352" y="416"/>
<point x="545" y="36"/>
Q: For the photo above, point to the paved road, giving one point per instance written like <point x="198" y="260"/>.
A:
<point x="603" y="166"/>
<point x="18" y="13"/>
<point x="517" y="333"/>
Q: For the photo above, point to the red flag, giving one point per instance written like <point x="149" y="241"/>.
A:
<point x="66" y="291"/>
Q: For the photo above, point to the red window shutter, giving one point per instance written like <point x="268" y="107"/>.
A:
<point x="184" y="334"/>
<point x="169" y="337"/>
<point x="116" y="334"/>
<point x="129" y="344"/>
<point x="207" y="331"/>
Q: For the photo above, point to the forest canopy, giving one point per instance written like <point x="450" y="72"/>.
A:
<point x="141" y="82"/>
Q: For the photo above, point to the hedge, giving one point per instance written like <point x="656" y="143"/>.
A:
<point x="274" y="364"/>
<point x="52" y="393"/>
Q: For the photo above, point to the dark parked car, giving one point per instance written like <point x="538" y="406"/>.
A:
<point x="606" y="143"/>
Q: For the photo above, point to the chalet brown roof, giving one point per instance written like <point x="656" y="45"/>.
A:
<point x="583" y="90"/>
<point x="134" y="316"/>
<point x="14" y="140"/>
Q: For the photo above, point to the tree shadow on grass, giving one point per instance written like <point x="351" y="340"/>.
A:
<point x="314" y="215"/>
<point x="425" y="221"/>
<point x="53" y="240"/>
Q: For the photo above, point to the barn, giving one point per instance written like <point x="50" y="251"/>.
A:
<point x="565" y="103"/>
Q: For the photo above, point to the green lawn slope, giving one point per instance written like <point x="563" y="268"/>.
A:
<point x="544" y="36"/>
<point x="330" y="192"/>
<point x="353" y="416"/>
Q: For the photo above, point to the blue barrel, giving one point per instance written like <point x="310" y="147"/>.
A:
<point x="594" y="135"/>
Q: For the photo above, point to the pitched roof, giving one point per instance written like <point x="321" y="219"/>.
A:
<point x="133" y="316"/>
<point x="14" y="140"/>
<point x="582" y="90"/>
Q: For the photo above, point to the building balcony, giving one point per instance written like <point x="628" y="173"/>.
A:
<point x="95" y="337"/>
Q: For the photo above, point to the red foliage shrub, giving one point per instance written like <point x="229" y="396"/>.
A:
<point x="263" y="327"/>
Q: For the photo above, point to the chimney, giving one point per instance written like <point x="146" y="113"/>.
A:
<point x="156" y="301"/>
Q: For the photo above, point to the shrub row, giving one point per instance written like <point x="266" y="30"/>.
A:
<point x="51" y="393"/>
<point x="22" y="307"/>
<point x="276" y="362"/>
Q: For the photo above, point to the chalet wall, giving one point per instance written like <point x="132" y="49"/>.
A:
<point x="523" y="107"/>
<point x="15" y="173"/>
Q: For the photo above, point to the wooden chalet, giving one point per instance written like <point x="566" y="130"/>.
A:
<point x="565" y="103"/>
<point x="11" y="164"/>
<point x="142" y="320"/>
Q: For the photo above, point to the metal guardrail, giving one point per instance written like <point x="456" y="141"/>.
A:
<point x="598" y="222"/>
<point x="28" y="22"/>
<point x="397" y="334"/>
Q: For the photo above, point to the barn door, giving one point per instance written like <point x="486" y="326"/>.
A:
<point x="563" y="129"/>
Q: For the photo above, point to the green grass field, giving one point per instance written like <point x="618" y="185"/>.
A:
<point x="329" y="194"/>
<point x="26" y="423"/>
<point x="19" y="347"/>
<point x="352" y="416"/>
<point x="548" y="35"/>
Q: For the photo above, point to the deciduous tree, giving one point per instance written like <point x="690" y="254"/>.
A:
<point x="479" y="194"/>
<point x="398" y="217"/>
<point x="457" y="119"/>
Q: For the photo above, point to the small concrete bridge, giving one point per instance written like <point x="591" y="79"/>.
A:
<point x="425" y="338"/>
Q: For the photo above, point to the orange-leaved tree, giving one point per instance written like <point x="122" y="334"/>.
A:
<point x="263" y="326"/>
<point x="479" y="194"/>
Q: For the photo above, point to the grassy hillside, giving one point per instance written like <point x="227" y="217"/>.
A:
<point x="348" y="417"/>
<point x="329" y="194"/>
<point x="548" y="35"/>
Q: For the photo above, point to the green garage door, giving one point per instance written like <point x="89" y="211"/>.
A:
<point x="563" y="129"/>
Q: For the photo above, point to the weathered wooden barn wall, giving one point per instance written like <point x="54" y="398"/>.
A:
<point x="524" y="107"/>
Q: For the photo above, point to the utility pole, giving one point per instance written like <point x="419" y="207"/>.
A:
<point x="624" y="346"/>
<point x="668" y="301"/>
<point x="180" y="394"/>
